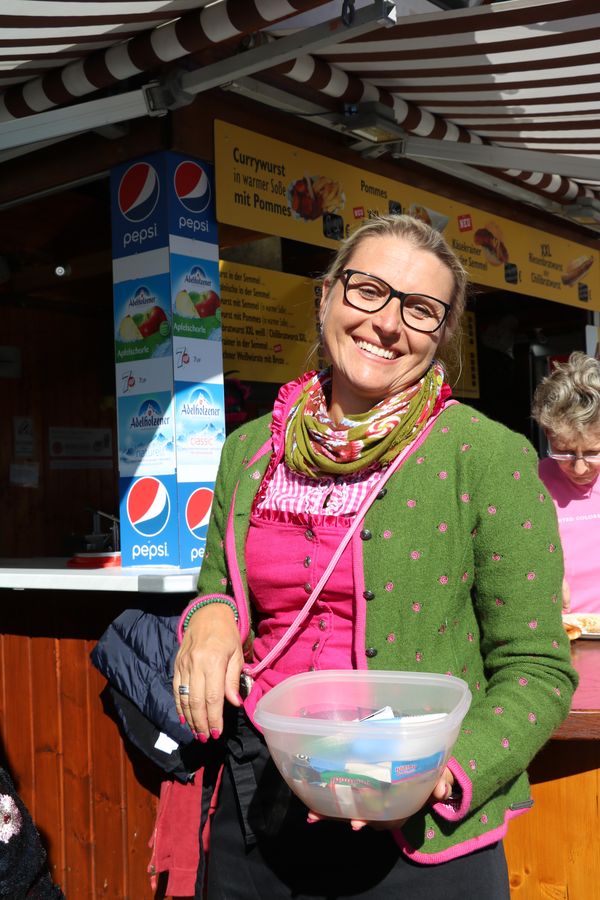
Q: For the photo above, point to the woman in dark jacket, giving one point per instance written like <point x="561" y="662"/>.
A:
<point x="24" y="872"/>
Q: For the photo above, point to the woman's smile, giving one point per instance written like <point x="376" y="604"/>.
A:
<point x="378" y="351"/>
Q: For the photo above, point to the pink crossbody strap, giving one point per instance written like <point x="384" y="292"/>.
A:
<point x="282" y="643"/>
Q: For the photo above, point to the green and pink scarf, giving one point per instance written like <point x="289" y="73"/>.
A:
<point x="316" y="446"/>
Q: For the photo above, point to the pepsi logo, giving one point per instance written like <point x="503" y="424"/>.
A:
<point x="197" y="510"/>
<point x="138" y="192"/>
<point x="148" y="506"/>
<point x="192" y="186"/>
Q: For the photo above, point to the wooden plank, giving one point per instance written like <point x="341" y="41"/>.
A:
<point x="552" y="850"/>
<point x="47" y="750"/>
<point x="77" y="775"/>
<point x="108" y="802"/>
<point x="141" y="805"/>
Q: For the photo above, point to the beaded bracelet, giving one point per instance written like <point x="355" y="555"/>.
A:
<point x="199" y="604"/>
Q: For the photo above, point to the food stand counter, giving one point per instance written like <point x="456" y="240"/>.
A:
<point x="94" y="797"/>
<point x="554" y="851"/>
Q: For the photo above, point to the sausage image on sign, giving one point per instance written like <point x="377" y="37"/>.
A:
<point x="576" y="269"/>
<point x="315" y="195"/>
<point x="490" y="238"/>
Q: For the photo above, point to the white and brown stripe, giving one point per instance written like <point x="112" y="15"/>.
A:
<point x="505" y="75"/>
<point x="149" y="34"/>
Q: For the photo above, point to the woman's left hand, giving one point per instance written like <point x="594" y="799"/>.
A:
<point x="441" y="791"/>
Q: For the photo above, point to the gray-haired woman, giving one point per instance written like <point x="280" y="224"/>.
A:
<point x="567" y="406"/>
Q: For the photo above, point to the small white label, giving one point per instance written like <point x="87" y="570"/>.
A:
<point x="165" y="743"/>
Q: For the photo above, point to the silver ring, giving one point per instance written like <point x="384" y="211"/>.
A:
<point x="184" y="690"/>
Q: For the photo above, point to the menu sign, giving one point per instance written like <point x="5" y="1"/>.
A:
<point x="268" y="320"/>
<point x="461" y="360"/>
<point x="273" y="187"/>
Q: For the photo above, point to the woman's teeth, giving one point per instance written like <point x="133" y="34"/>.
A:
<point x="378" y="351"/>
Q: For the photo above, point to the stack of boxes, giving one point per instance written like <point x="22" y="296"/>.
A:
<point x="168" y="356"/>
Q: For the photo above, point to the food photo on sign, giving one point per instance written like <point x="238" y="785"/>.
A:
<point x="312" y="196"/>
<point x="431" y="217"/>
<point x="491" y="239"/>
<point x="576" y="269"/>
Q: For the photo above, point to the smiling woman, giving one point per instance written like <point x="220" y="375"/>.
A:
<point x="393" y="518"/>
<point x="378" y="346"/>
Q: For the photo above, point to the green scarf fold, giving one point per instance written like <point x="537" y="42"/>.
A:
<point x="316" y="446"/>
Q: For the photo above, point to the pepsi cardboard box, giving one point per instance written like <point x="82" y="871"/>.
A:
<point x="160" y="195"/>
<point x="149" y="521"/>
<point x="139" y="206"/>
<point x="195" y="502"/>
<point x="191" y="198"/>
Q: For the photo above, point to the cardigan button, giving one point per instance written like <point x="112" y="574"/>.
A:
<point x="381" y="494"/>
<point x="322" y="624"/>
<point x="368" y="595"/>
<point x="308" y="587"/>
<point x="307" y="561"/>
<point x="309" y="534"/>
<point x="371" y="652"/>
<point x="365" y="535"/>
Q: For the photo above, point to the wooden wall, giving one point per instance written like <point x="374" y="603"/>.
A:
<point x="554" y="850"/>
<point x="93" y="799"/>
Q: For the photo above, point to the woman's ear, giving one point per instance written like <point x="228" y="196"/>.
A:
<point x="323" y="303"/>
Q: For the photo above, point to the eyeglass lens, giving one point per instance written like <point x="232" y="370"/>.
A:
<point x="592" y="458"/>
<point x="370" y="294"/>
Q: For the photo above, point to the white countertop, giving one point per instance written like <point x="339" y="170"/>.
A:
<point x="53" y="574"/>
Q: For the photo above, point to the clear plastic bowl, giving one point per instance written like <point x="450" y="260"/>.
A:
<point x="363" y="744"/>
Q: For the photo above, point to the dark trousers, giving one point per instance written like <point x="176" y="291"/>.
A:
<point x="262" y="847"/>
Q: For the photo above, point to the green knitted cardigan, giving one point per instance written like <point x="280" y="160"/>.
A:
<point x="462" y="574"/>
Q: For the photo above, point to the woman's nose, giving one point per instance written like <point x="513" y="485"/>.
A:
<point x="389" y="319"/>
<point x="580" y="466"/>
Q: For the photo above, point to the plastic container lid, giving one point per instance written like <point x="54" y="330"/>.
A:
<point x="339" y="691"/>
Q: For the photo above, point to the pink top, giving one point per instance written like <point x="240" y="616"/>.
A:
<point x="283" y="564"/>
<point x="290" y="491"/>
<point x="290" y="542"/>
<point x="578" y="510"/>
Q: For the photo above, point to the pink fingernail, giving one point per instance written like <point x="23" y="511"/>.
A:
<point x="182" y="719"/>
<point x="215" y="733"/>
<point x="201" y="737"/>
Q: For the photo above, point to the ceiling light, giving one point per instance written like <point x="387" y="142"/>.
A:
<point x="373" y="122"/>
<point x="62" y="270"/>
<point x="586" y="211"/>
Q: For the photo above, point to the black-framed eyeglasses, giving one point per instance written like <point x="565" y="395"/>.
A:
<point x="370" y="294"/>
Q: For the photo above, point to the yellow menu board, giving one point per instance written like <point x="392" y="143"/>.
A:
<point x="269" y="322"/>
<point x="273" y="187"/>
<point x="460" y="359"/>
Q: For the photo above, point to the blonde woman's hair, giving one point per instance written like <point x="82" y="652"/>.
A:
<point x="568" y="400"/>
<point x="422" y="237"/>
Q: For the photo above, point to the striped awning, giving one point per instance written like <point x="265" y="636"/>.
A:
<point x="508" y="75"/>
